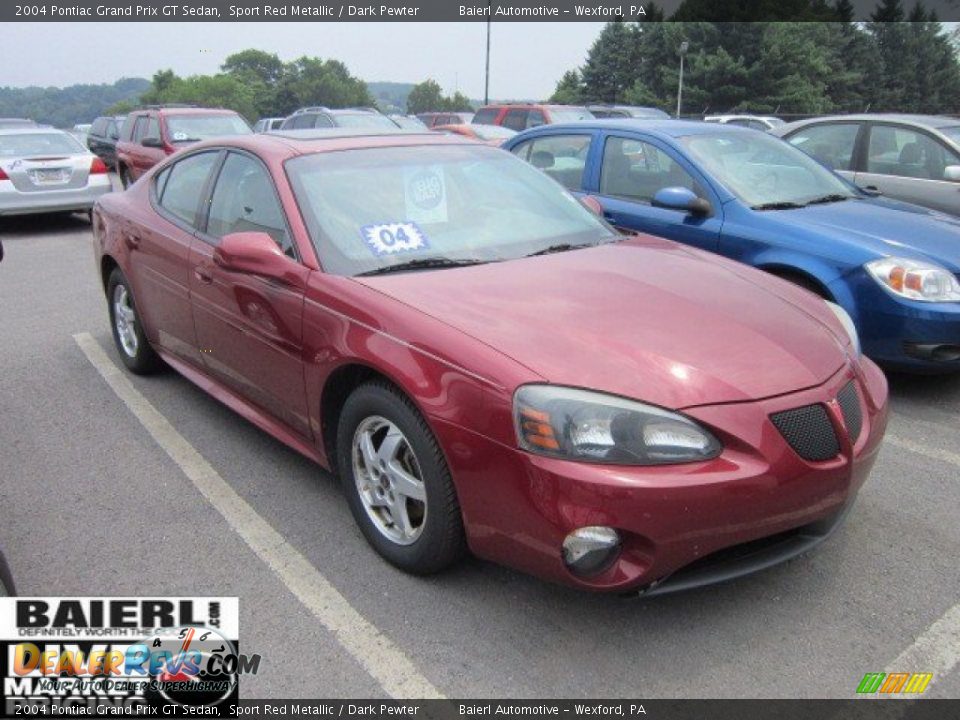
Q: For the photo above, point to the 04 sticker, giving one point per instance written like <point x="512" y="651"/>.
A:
<point x="394" y="238"/>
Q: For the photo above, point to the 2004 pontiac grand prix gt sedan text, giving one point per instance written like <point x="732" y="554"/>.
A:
<point x="487" y="365"/>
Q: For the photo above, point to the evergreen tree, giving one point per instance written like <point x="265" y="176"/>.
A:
<point x="612" y="63"/>
<point x="569" y="90"/>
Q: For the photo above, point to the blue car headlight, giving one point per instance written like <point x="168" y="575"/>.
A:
<point x="844" y="317"/>
<point x="914" y="279"/>
<point x="594" y="427"/>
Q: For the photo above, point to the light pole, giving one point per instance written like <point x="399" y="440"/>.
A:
<point x="486" y="79"/>
<point x="683" y="51"/>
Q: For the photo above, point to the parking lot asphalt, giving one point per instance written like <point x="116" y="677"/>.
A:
<point x="92" y="504"/>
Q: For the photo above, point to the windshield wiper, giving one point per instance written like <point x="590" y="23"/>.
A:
<point x="835" y="197"/>
<point x="423" y="264"/>
<point x="561" y="247"/>
<point x="781" y="205"/>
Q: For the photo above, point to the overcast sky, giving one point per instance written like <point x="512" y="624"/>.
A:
<point x="527" y="59"/>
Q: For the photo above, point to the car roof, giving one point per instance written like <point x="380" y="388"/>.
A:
<point x="315" y="140"/>
<point x="930" y="121"/>
<point x="664" y="127"/>
<point x="31" y="131"/>
<point x="184" y="111"/>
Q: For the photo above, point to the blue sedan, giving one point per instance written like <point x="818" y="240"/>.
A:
<point x="751" y="197"/>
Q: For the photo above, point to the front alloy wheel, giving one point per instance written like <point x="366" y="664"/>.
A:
<point x="389" y="480"/>
<point x="397" y="481"/>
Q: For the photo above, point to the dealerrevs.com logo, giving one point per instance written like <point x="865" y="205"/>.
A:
<point x="97" y="656"/>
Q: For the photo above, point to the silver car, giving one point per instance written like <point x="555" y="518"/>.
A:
<point x="914" y="158"/>
<point x="44" y="171"/>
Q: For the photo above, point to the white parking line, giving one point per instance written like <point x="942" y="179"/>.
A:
<point x="937" y="650"/>
<point x="376" y="653"/>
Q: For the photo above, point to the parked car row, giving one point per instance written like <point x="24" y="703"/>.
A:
<point x="749" y="196"/>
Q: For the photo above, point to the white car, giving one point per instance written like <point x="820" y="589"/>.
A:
<point x="44" y="171"/>
<point x="757" y="122"/>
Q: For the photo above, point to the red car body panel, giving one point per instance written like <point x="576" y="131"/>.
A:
<point x="645" y="318"/>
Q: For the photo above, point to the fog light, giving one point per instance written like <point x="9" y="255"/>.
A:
<point x="589" y="550"/>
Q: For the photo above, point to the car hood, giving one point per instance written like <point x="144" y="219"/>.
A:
<point x="882" y="226"/>
<point x="643" y="318"/>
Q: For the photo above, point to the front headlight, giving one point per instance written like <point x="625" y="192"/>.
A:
<point x="915" y="280"/>
<point x="844" y="317"/>
<point x="592" y="427"/>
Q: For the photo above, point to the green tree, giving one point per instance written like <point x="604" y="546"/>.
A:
<point x="255" y="64"/>
<point x="569" y="90"/>
<point x="425" y="97"/>
<point x="612" y="62"/>
<point x="312" y="81"/>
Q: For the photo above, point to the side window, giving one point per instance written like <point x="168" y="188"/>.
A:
<point x="522" y="150"/>
<point x="139" y="128"/>
<point x="153" y="129"/>
<point x="160" y="181"/>
<point x="99" y="125"/>
<point x="562" y="157"/>
<point x="907" y="153"/>
<point x="536" y="119"/>
<point x="244" y="200"/>
<point x="832" y="144"/>
<point x="322" y="121"/>
<point x="637" y="170"/>
<point x="486" y="116"/>
<point x="128" y="127"/>
<point x="184" y="186"/>
<point x="301" y="122"/>
<point x="515" y="119"/>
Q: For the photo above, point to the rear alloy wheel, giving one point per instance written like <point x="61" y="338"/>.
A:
<point x="128" y="335"/>
<point x="397" y="482"/>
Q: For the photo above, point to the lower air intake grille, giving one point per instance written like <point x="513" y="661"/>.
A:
<point x="808" y="431"/>
<point x="850" y="407"/>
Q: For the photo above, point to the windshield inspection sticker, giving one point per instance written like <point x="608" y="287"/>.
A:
<point x="426" y="194"/>
<point x="394" y="238"/>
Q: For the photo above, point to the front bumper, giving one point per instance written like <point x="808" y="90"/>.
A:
<point x="15" y="202"/>
<point x="902" y="334"/>
<point x="519" y="507"/>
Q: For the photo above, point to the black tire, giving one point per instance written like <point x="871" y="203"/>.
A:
<point x="144" y="360"/>
<point x="125" y="179"/>
<point x="441" y="541"/>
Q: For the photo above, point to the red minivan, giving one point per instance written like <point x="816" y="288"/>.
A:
<point x="151" y="134"/>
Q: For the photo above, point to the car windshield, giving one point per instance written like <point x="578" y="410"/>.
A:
<point x="34" y="144"/>
<point x="364" y="120"/>
<point x="560" y="115"/>
<point x="408" y="122"/>
<point x="775" y="121"/>
<point x="370" y="209"/>
<point x="492" y="132"/>
<point x="191" y="128"/>
<point x="763" y="171"/>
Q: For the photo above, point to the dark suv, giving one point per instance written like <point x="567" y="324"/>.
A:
<point x="103" y="138"/>
<point x="150" y="134"/>
<point x="520" y="116"/>
<point x="321" y="117"/>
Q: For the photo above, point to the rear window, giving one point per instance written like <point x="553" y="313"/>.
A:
<point x="486" y="116"/>
<point x="37" y="144"/>
<point x="365" y="120"/>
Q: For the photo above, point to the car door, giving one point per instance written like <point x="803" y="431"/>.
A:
<point x="249" y="328"/>
<point x="632" y="169"/>
<point x="909" y="164"/>
<point x="160" y="252"/>
<point x="834" y="144"/>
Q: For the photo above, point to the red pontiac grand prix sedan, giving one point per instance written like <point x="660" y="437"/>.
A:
<point x="487" y="365"/>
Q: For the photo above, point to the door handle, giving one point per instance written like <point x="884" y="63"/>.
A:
<point x="203" y="274"/>
<point x="132" y="241"/>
